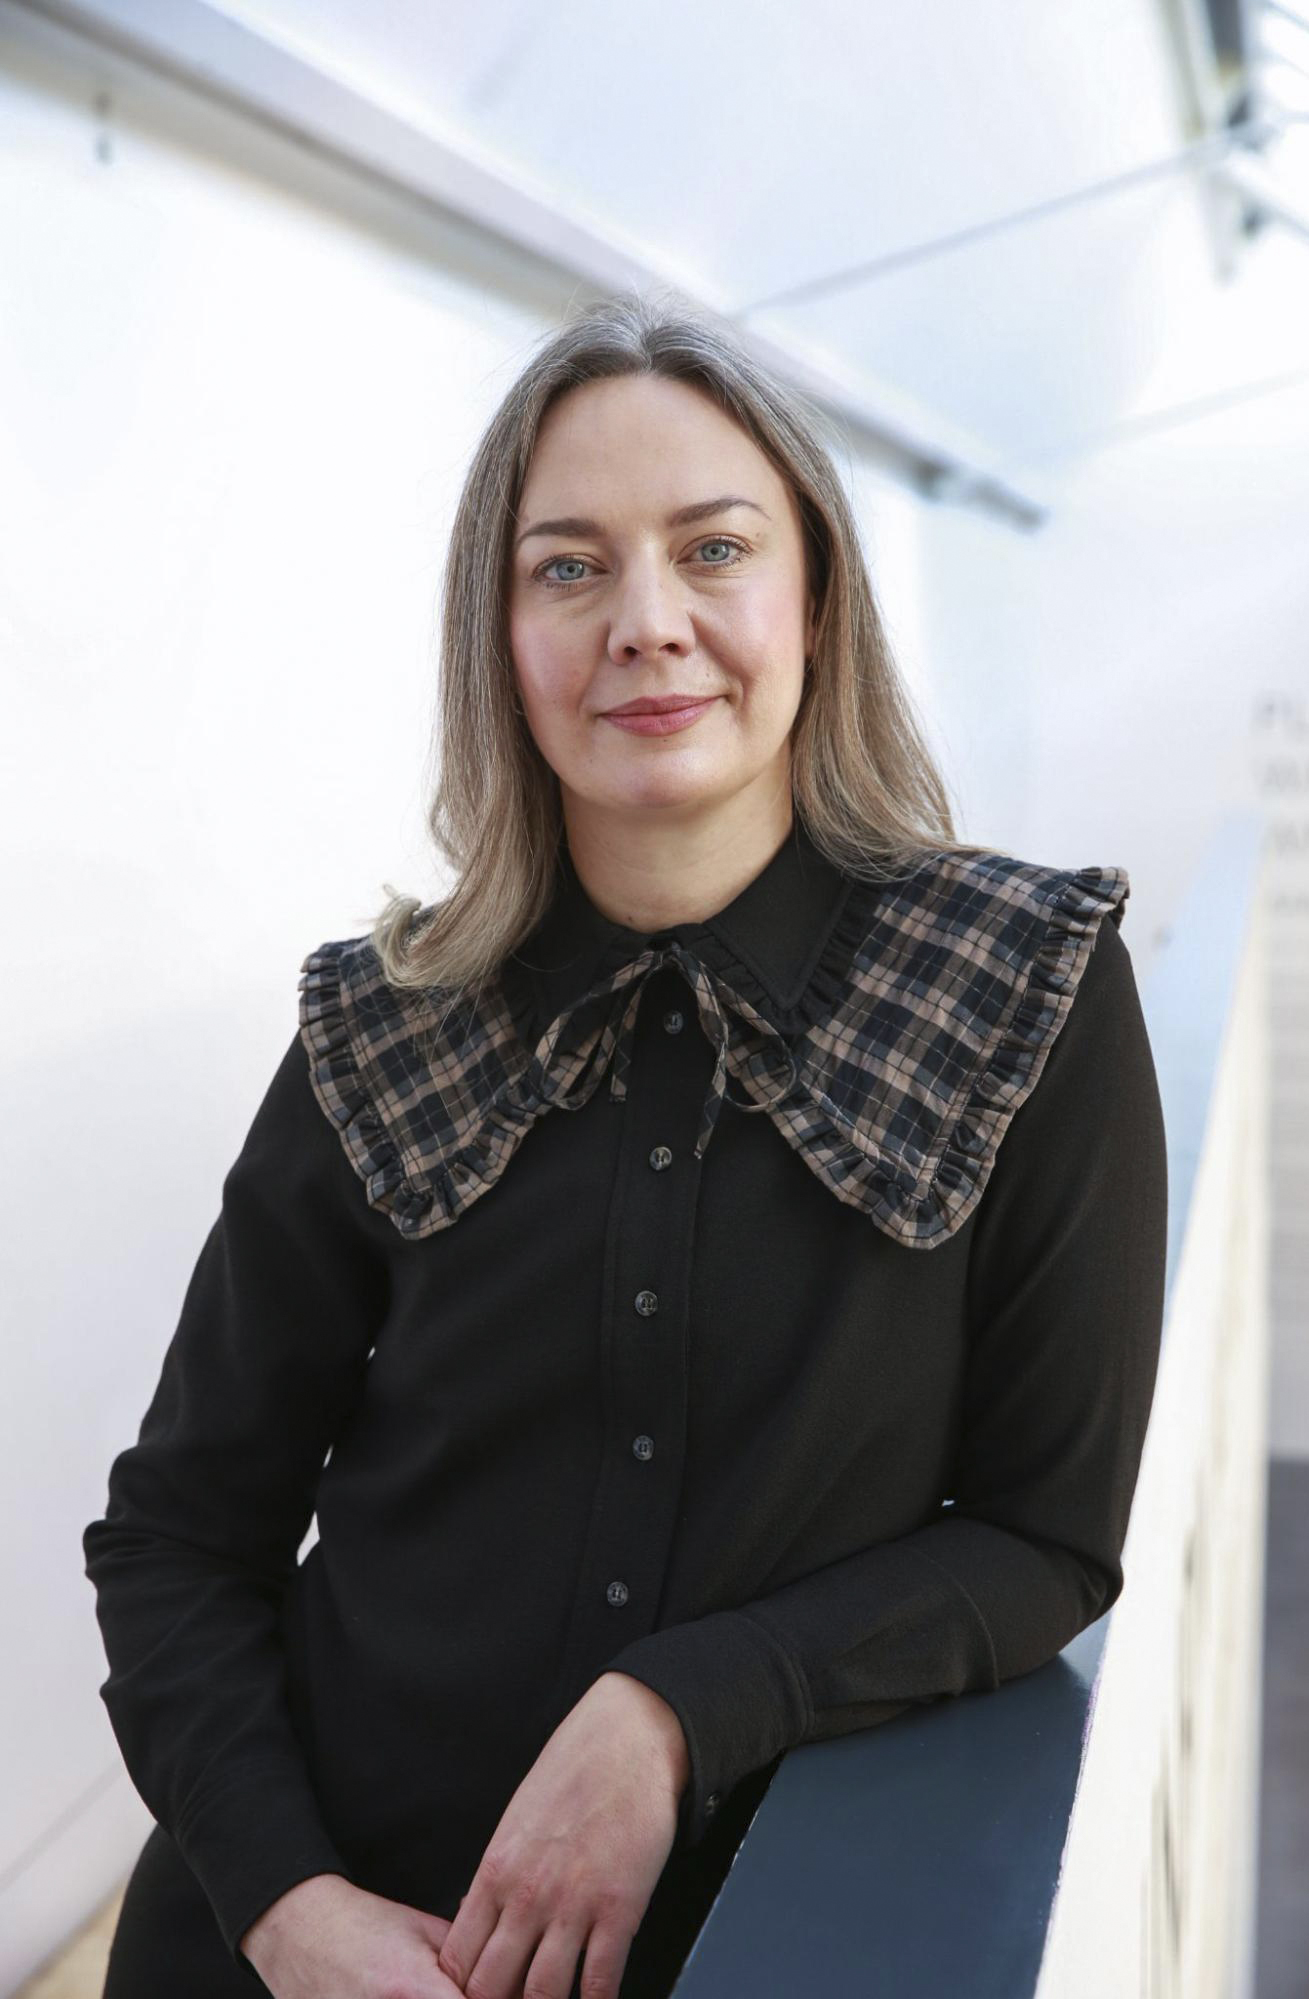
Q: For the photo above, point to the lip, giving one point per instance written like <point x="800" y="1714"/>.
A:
<point x="659" y="704"/>
<point x="660" y="717"/>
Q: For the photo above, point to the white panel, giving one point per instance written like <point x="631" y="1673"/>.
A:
<point x="231" y="432"/>
<point x="1155" y="1896"/>
<point x="765" y="144"/>
<point x="1037" y="334"/>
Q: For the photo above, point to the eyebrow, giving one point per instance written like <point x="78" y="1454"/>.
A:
<point x="699" y="510"/>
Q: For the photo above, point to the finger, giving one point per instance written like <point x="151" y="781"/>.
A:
<point x="606" y="1960"/>
<point x="467" y="1937"/>
<point x="498" y="1971"/>
<point x="551" y="1973"/>
<point x="434" y="1928"/>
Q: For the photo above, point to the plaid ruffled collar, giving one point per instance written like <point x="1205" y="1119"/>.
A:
<point x="890" y="1030"/>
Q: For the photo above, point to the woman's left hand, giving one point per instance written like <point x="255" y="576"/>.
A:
<point x="574" y="1860"/>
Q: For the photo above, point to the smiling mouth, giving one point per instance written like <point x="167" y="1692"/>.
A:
<point x="659" y="704"/>
<point x="661" y="719"/>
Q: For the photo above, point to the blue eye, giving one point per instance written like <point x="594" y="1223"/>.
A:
<point x="580" y="562"/>
<point x="558" y="585"/>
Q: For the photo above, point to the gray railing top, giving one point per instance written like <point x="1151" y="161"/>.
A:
<point x="929" y="1847"/>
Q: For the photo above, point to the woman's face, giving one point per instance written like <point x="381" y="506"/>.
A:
<point x="613" y="599"/>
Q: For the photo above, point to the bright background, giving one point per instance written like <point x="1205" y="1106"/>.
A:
<point x="1047" y="268"/>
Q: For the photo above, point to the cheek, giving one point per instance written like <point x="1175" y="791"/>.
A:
<point x="551" y="690"/>
<point x="540" y="666"/>
<point x="766" y="638"/>
<point x="768" y="620"/>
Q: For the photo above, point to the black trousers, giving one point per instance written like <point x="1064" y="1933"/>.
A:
<point x="168" y="1946"/>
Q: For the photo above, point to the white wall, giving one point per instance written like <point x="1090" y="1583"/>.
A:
<point x="232" y="431"/>
<point x="1156" y="1880"/>
<point x="236" y="402"/>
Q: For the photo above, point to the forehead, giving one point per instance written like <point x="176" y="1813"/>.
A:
<point x="642" y="435"/>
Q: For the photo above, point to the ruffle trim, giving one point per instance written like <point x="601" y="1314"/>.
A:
<point x="421" y="1189"/>
<point x="921" y="1197"/>
<point x="360" y="1035"/>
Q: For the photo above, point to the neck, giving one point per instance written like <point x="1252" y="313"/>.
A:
<point x="651" y="874"/>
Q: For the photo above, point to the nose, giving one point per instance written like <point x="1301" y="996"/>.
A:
<point x="648" y="613"/>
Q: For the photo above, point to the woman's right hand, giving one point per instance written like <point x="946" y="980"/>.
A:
<point x="327" y="1939"/>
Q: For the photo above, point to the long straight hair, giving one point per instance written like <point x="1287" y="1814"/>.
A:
<point x="863" y="782"/>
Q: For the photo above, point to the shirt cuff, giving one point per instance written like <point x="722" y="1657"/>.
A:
<point x="737" y="1694"/>
<point x="249" y="1841"/>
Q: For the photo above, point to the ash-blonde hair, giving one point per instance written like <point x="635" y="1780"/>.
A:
<point x="863" y="781"/>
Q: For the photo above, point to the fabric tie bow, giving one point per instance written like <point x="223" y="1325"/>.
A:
<point x="567" y="1071"/>
<point x="929" y="1028"/>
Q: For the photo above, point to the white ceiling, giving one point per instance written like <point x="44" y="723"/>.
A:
<point x="948" y="204"/>
<point x="769" y="144"/>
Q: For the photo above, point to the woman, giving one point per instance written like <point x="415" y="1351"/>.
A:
<point x="720" y="1247"/>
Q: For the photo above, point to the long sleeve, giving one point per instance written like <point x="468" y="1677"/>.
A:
<point x="207" y="1510"/>
<point x="1065" y="1307"/>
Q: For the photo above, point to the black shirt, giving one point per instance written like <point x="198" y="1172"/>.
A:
<point x="801" y="1406"/>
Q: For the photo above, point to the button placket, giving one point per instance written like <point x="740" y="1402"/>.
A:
<point x="635" y="1512"/>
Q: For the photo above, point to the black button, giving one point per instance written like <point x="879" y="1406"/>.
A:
<point x="643" y="1448"/>
<point x="660" y="1157"/>
<point x="647" y="1303"/>
<point x="711" y="1804"/>
<point x="673" y="1022"/>
<point x="617" y="1593"/>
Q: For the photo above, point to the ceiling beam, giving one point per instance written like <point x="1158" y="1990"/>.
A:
<point x="194" y="46"/>
<point x="1253" y="180"/>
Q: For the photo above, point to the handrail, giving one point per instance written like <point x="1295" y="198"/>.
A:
<point x="923" y="1858"/>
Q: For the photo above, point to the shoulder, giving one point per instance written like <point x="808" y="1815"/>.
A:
<point x="944" y="1018"/>
<point x="986" y="887"/>
<point x="356" y="1026"/>
<point x="428" y="1088"/>
<point x="345" y="1006"/>
<point x="987" y="941"/>
<point x="344" y="973"/>
<point x="1049" y="936"/>
<point x="983" y="947"/>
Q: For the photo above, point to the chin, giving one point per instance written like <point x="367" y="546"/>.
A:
<point x="672" y="795"/>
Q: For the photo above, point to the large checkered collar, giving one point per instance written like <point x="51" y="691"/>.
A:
<point x="889" y="1029"/>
